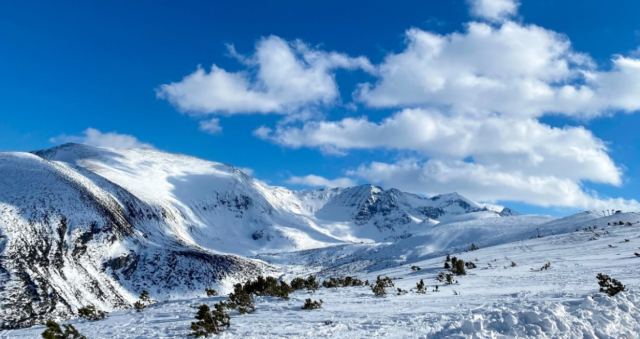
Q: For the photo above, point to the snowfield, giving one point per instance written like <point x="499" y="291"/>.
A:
<point x="81" y="226"/>
<point x="494" y="300"/>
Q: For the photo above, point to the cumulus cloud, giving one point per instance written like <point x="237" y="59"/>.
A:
<point x="211" y="126"/>
<point x="493" y="10"/>
<point x="94" y="137"/>
<point x="318" y="181"/>
<point x="280" y="77"/>
<point x="484" y="182"/>
<point x="511" y="69"/>
<point x="523" y="145"/>
<point x="494" y="158"/>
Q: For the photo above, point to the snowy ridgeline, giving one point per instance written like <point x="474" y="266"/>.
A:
<point x="89" y="226"/>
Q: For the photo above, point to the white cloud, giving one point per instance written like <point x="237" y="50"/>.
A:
<point x="518" y="145"/>
<point x="493" y="158"/>
<point x="318" y="181"/>
<point x="211" y="126"/>
<point x="94" y="137"/>
<point x="513" y="69"/>
<point x="280" y="78"/>
<point x="493" y="10"/>
<point x="482" y="182"/>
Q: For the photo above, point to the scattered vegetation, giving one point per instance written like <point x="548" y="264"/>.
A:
<point x="208" y="322"/>
<point x="544" y="267"/>
<point x="401" y="291"/>
<point x="54" y="331"/>
<point x="144" y="300"/>
<point x="446" y="278"/>
<point x="379" y="288"/>
<point x="420" y="287"/>
<point x="347" y="281"/>
<point x="210" y="292"/>
<point x="473" y="247"/>
<point x="415" y="268"/>
<point x="609" y="285"/>
<point x="309" y="283"/>
<point x="470" y="265"/>
<point x="458" y="267"/>
<point x="241" y="300"/>
<point x="312" y="304"/>
<point x="91" y="313"/>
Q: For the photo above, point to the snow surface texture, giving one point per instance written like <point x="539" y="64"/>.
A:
<point x="494" y="300"/>
<point x="81" y="225"/>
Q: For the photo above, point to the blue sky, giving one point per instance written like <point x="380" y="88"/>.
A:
<point x="70" y="66"/>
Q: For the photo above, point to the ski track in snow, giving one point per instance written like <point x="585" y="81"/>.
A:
<point x="495" y="300"/>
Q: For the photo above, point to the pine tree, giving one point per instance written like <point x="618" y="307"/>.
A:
<point x="458" y="268"/>
<point x="209" y="322"/>
<point x="420" y="287"/>
<point x="53" y="331"/>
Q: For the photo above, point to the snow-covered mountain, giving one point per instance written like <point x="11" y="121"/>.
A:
<point x="82" y="225"/>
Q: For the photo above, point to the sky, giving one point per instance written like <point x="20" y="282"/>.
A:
<point x="529" y="103"/>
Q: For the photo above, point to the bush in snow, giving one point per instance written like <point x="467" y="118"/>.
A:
<point x="473" y="247"/>
<point x="309" y="283"/>
<point x="447" y="266"/>
<point x="342" y="282"/>
<point x="446" y="278"/>
<point x="208" y="322"/>
<point x="312" y="304"/>
<point x="143" y="302"/>
<point x="210" y="292"/>
<point x="458" y="267"/>
<point x="91" y="313"/>
<point x="401" y="291"/>
<point x="609" y="285"/>
<point x="268" y="286"/>
<point x="53" y="331"/>
<point x="241" y="299"/>
<point x="379" y="288"/>
<point x="415" y="268"/>
<point x="469" y="265"/>
<point x="420" y="287"/>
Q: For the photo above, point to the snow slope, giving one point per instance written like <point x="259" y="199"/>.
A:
<point x="494" y="300"/>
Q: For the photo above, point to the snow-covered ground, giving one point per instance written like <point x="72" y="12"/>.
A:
<point x="494" y="300"/>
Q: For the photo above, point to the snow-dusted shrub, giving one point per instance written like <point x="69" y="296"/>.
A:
<point x="415" y="268"/>
<point x="473" y="247"/>
<point x="208" y="322"/>
<point x="91" y="313"/>
<point x="53" y="331"/>
<point x="311" y="304"/>
<point x="143" y="302"/>
<point x="347" y="281"/>
<point x="470" y="265"/>
<point x="268" y="286"/>
<point x="458" y="267"/>
<point x="241" y="299"/>
<point x="210" y="292"/>
<point x="401" y="291"/>
<point x="420" y="287"/>
<point x="446" y="278"/>
<point x="309" y="283"/>
<point x="609" y="285"/>
<point x="379" y="288"/>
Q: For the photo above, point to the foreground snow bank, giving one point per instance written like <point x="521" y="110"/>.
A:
<point x="593" y="316"/>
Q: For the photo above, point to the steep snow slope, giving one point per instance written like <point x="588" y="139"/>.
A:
<point x="495" y="300"/>
<point x="66" y="242"/>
